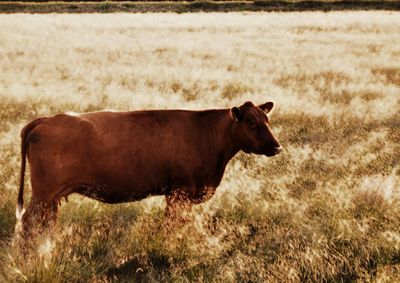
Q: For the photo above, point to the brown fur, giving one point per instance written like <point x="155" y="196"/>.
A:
<point x="117" y="157"/>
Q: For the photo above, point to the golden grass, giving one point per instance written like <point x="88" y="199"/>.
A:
<point x="326" y="209"/>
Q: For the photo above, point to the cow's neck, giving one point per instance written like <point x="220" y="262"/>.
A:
<point x="218" y="145"/>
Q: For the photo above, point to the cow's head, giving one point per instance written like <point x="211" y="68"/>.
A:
<point x="250" y="129"/>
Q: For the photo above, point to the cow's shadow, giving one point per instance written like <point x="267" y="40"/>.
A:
<point x="129" y="271"/>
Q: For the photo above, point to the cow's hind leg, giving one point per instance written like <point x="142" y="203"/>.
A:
<point x="38" y="215"/>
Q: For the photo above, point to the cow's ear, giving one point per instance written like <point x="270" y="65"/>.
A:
<point x="236" y="114"/>
<point x="267" y="107"/>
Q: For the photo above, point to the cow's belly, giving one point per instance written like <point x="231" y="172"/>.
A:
<point x="116" y="182"/>
<point x="114" y="194"/>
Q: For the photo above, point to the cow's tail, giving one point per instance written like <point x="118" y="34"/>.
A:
<point x="24" y="147"/>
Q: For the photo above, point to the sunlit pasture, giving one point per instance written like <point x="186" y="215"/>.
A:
<point x="326" y="209"/>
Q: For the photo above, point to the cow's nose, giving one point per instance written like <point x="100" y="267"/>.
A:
<point x="278" y="149"/>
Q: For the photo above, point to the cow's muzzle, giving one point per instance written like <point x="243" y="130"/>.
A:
<point x="278" y="149"/>
<point x="273" y="151"/>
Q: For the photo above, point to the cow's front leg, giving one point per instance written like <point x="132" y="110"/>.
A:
<point x="183" y="200"/>
<point x="178" y="204"/>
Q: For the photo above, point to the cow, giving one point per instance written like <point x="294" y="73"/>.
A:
<point x="119" y="157"/>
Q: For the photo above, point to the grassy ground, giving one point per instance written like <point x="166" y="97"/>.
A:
<point x="192" y="6"/>
<point x="326" y="209"/>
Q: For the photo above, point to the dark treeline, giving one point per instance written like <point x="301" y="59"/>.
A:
<point x="79" y="6"/>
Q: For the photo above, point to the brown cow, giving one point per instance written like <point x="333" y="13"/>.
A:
<point x="118" y="157"/>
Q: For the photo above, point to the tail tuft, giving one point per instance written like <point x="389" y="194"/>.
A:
<point x="19" y="212"/>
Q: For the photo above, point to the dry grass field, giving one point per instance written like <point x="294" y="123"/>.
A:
<point x="326" y="209"/>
